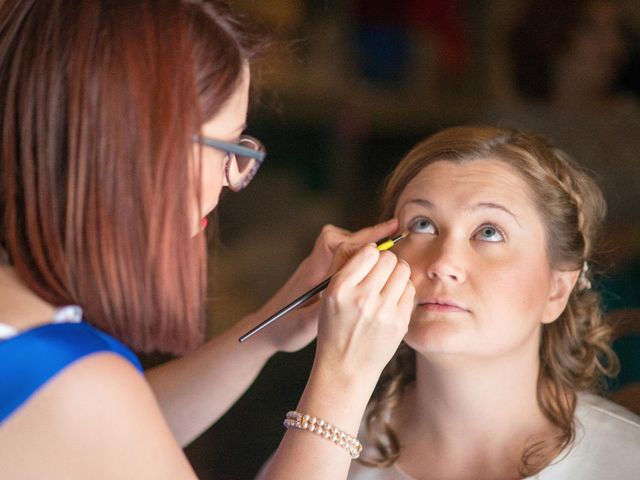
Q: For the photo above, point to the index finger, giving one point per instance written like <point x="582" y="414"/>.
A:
<point x="358" y="266"/>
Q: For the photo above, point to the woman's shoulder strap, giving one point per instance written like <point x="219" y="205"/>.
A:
<point x="29" y="360"/>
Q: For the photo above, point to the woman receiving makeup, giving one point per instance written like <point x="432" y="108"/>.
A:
<point x="496" y="376"/>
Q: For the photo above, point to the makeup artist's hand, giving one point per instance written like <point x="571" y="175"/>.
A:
<point x="332" y="247"/>
<point x="333" y="240"/>
<point x="364" y="315"/>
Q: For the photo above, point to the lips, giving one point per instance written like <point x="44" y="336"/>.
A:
<point x="441" y="305"/>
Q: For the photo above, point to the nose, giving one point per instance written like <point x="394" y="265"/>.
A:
<point x="442" y="259"/>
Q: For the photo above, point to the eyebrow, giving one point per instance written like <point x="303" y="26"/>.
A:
<point x="423" y="202"/>
<point x="493" y="206"/>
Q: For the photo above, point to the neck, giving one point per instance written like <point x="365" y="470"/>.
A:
<point x="19" y="306"/>
<point x="480" y="414"/>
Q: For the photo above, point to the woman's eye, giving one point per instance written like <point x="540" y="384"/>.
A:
<point x="489" y="233"/>
<point x="422" y="225"/>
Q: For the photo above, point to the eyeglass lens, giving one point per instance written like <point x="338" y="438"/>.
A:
<point x="242" y="170"/>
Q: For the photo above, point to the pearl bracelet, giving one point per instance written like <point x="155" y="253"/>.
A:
<point x="305" y="421"/>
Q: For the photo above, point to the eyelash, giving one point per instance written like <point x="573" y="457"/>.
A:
<point x="416" y="220"/>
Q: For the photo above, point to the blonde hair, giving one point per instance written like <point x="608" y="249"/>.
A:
<point x="574" y="350"/>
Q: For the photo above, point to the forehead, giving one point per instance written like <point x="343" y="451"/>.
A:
<point x="468" y="182"/>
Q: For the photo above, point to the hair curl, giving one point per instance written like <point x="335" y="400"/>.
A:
<point x="574" y="350"/>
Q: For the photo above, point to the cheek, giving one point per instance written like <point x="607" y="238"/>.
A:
<point x="211" y="183"/>
<point x="211" y="187"/>
<point x="415" y="251"/>
<point x="208" y="181"/>
<point x="518" y="289"/>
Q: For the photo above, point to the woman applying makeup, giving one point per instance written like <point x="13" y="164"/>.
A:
<point x="121" y="124"/>
<point x="506" y="340"/>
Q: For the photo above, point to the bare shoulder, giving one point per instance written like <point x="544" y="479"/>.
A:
<point x="96" y="419"/>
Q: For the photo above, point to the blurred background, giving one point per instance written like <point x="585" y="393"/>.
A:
<point x="344" y="91"/>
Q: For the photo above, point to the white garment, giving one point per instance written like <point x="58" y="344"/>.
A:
<point x="607" y="446"/>
<point x="64" y="314"/>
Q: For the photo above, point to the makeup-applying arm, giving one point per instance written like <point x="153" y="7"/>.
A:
<point x="364" y="315"/>
<point x="196" y="390"/>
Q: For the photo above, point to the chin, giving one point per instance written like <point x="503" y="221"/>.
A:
<point x="435" y="336"/>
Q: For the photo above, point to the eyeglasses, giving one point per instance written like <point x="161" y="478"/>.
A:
<point x="242" y="161"/>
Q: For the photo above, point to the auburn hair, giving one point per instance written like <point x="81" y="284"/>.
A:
<point x="574" y="349"/>
<point x="99" y="102"/>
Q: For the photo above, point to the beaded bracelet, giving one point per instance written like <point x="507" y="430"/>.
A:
<point x="305" y="421"/>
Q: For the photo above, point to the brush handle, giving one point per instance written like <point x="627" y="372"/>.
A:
<point x="283" y="311"/>
<point x="381" y="245"/>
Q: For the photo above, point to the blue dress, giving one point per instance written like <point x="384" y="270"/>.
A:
<point x="28" y="360"/>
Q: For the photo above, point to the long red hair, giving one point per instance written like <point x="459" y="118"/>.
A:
<point x="99" y="101"/>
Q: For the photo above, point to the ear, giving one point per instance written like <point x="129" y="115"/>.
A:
<point x="562" y="283"/>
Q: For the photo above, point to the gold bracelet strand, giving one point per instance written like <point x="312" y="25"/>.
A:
<point x="305" y="421"/>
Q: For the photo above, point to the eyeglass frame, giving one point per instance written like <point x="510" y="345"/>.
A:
<point x="235" y="149"/>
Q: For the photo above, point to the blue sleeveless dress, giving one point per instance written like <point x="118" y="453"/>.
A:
<point x="28" y="360"/>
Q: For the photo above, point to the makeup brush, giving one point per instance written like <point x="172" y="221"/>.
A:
<point x="382" y="245"/>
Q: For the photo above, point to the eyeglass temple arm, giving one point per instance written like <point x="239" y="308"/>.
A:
<point x="232" y="148"/>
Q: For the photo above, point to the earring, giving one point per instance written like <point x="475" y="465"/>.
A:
<point x="583" y="281"/>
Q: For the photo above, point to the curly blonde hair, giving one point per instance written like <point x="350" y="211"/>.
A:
<point x="574" y="350"/>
